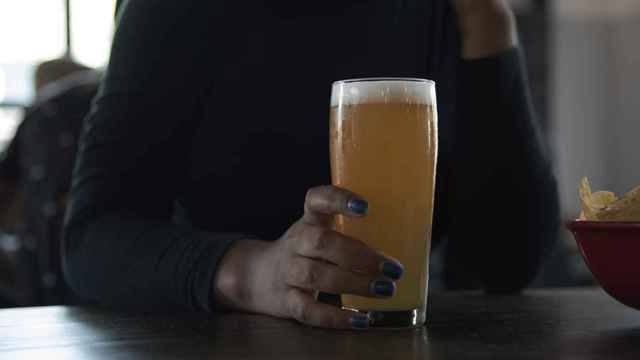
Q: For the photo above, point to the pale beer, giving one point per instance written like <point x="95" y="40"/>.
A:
<point x="384" y="147"/>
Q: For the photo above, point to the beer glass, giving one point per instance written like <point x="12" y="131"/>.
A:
<point x="384" y="144"/>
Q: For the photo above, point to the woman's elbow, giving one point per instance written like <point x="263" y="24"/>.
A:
<point x="513" y="281"/>
<point x="76" y="266"/>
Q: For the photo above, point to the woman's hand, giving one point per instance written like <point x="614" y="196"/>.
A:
<point x="487" y="27"/>
<point x="282" y="278"/>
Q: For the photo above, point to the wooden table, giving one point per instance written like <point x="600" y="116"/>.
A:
<point x="542" y="324"/>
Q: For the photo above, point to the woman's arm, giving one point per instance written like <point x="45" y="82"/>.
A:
<point x="504" y="208"/>
<point x="120" y="247"/>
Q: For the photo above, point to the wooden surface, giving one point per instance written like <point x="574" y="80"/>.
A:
<point x="549" y="324"/>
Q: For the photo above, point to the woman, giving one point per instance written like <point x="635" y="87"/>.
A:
<point x="210" y="135"/>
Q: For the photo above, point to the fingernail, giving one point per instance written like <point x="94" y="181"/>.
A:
<point x="392" y="270"/>
<point x="358" y="206"/>
<point x="359" y="322"/>
<point x="382" y="288"/>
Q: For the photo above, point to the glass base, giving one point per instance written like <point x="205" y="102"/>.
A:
<point x="393" y="320"/>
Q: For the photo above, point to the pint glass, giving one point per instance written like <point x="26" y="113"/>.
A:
<point x="384" y="146"/>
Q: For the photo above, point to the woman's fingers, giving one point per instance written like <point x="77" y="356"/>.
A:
<point x="348" y="253"/>
<point x="487" y="27"/>
<point x="320" y="259"/>
<point x="302" y="306"/>
<point x="313" y="274"/>
<point x="323" y="202"/>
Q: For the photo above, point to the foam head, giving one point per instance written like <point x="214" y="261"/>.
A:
<point x="383" y="91"/>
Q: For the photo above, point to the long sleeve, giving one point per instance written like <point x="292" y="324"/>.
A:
<point x="120" y="247"/>
<point x="503" y="208"/>
<point x="10" y="160"/>
<point x="10" y="176"/>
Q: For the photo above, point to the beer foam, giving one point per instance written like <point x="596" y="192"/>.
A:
<point x="383" y="90"/>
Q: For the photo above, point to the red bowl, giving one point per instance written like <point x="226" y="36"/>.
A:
<point x="612" y="253"/>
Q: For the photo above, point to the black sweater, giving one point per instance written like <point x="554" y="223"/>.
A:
<point x="212" y="122"/>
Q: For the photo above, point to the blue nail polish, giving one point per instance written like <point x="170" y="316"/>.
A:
<point x="382" y="288"/>
<point x="358" y="206"/>
<point x="359" y="322"/>
<point x="392" y="270"/>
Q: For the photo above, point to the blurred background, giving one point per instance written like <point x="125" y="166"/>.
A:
<point x="33" y="31"/>
<point x="582" y="56"/>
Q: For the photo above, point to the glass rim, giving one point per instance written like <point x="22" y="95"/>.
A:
<point x="381" y="79"/>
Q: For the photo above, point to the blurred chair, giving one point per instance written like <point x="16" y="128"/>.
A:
<point x="49" y="72"/>
<point x="35" y="177"/>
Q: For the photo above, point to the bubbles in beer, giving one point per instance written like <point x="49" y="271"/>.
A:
<point x="382" y="90"/>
